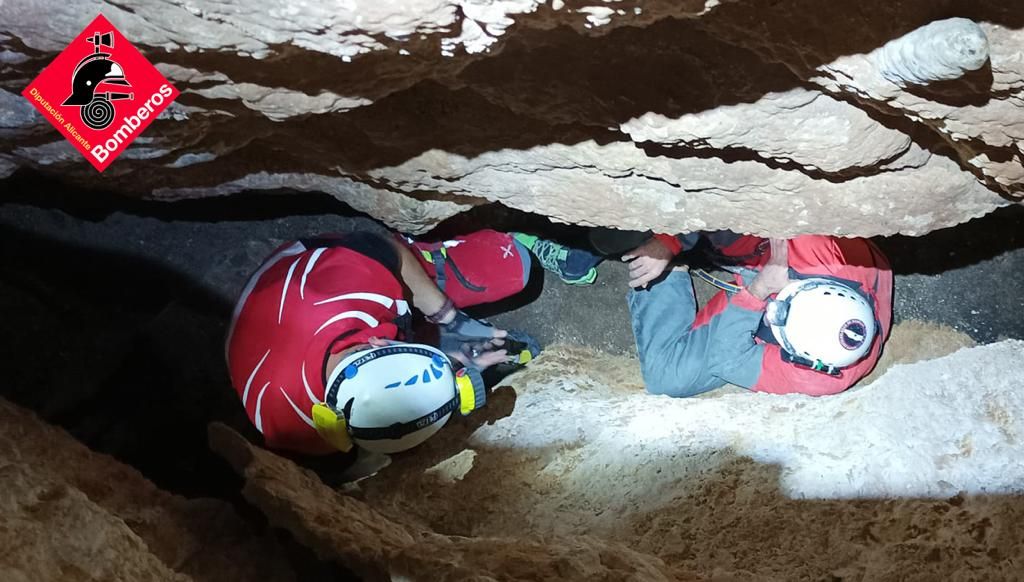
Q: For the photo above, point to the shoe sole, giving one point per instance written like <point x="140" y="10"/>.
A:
<point x="587" y="279"/>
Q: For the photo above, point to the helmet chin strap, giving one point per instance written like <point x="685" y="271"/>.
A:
<point x="400" y="429"/>
<point x="816" y="365"/>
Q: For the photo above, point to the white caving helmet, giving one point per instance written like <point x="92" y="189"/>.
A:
<point x="822" y="323"/>
<point x="390" y="399"/>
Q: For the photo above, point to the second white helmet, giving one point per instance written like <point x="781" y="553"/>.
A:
<point x="822" y="321"/>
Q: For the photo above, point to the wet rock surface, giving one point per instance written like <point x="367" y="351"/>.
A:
<point x="756" y="115"/>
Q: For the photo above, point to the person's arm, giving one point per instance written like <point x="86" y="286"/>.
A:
<point x="425" y="295"/>
<point x="471" y="342"/>
<point x="673" y="243"/>
<point x="774" y="274"/>
<point x="648" y="261"/>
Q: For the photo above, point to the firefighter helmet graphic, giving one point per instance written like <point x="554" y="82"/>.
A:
<point x="92" y="72"/>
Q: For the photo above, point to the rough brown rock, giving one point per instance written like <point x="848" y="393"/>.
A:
<point x="71" y="514"/>
<point x="55" y="532"/>
<point x="345" y="529"/>
<point x="763" y="116"/>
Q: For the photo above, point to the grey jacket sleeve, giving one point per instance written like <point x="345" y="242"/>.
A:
<point x="738" y="357"/>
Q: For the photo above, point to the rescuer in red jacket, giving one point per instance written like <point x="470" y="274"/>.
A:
<point x="809" y="315"/>
<point x="313" y="346"/>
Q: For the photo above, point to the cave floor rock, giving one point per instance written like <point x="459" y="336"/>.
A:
<point x="916" y="476"/>
<point x="378" y="548"/>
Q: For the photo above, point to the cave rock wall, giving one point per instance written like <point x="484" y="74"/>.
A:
<point x="68" y="513"/>
<point x="770" y="117"/>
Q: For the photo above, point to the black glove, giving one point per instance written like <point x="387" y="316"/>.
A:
<point x="464" y="328"/>
<point x="467" y="336"/>
<point x="521" y="346"/>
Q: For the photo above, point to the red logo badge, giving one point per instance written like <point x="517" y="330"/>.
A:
<point x="100" y="92"/>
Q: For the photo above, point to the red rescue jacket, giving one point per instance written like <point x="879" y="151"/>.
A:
<point x="854" y="260"/>
<point x="301" y="306"/>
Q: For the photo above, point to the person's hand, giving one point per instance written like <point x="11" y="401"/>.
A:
<point x="647" y="262"/>
<point x="480" y="356"/>
<point x="774" y="274"/>
<point x="472" y="342"/>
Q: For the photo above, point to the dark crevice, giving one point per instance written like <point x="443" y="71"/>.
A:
<point x="737" y="154"/>
<point x="960" y="246"/>
<point x="94" y="205"/>
<point x="972" y="89"/>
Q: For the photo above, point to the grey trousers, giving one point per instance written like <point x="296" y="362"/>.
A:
<point x="679" y="360"/>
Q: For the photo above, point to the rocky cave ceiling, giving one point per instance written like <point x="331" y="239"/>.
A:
<point x="765" y="116"/>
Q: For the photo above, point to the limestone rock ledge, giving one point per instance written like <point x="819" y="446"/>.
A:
<point x="67" y="513"/>
<point x="770" y="117"/>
